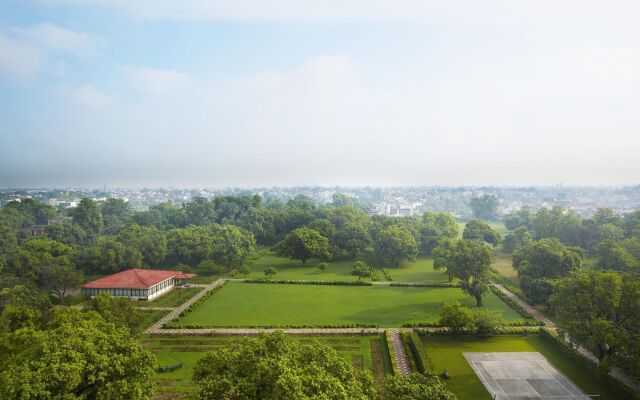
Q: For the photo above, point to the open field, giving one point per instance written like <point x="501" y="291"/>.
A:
<point x="364" y="352"/>
<point x="502" y="263"/>
<point x="419" y="271"/>
<point x="447" y="353"/>
<point x="245" y="304"/>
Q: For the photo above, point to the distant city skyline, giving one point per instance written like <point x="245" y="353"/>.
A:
<point x="215" y="94"/>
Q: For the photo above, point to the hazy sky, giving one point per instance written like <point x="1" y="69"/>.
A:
<point x="337" y="92"/>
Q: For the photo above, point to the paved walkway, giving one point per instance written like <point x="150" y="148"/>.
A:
<point x="615" y="371"/>
<point x="156" y="308"/>
<point x="402" y="361"/>
<point x="535" y="313"/>
<point x="157" y="327"/>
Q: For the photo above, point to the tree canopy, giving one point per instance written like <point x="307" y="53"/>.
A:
<point x="275" y="367"/>
<point x="303" y="244"/>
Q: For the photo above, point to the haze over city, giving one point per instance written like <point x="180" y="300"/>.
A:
<point x="195" y="94"/>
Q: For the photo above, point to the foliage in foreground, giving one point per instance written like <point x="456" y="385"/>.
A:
<point x="78" y="356"/>
<point x="273" y="366"/>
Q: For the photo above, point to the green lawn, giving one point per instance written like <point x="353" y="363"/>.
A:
<point x="174" y="298"/>
<point x="364" y="352"/>
<point x="446" y="353"/>
<point x="245" y="304"/>
<point x="419" y="271"/>
<point x="502" y="263"/>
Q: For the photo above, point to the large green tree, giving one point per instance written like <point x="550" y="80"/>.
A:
<point x="354" y="238"/>
<point x="274" y="367"/>
<point x="599" y="310"/>
<point x="395" y="244"/>
<point x="612" y="255"/>
<point x="149" y="240"/>
<point x="191" y="244"/>
<point x="60" y="279"/>
<point x="79" y="356"/>
<point x="436" y="227"/>
<point x="415" y="386"/>
<point x="231" y="246"/>
<point x="303" y="244"/>
<point x="472" y="261"/>
<point x="481" y="231"/>
<point x="88" y="216"/>
<point x="540" y="263"/>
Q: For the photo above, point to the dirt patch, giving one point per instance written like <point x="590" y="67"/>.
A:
<point x="377" y="359"/>
<point x="358" y="362"/>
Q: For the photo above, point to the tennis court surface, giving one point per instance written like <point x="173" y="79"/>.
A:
<point x="522" y="376"/>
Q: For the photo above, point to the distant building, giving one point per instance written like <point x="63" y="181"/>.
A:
<point x="35" y="230"/>
<point x="137" y="284"/>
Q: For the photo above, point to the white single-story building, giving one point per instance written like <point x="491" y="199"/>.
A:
<point x="136" y="283"/>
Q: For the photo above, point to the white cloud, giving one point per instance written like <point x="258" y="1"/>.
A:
<point x="154" y="81"/>
<point x="496" y="12"/>
<point x="87" y="96"/>
<point x="55" y="38"/>
<point x="18" y="59"/>
<point x="26" y="51"/>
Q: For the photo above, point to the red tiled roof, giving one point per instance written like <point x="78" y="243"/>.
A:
<point x="134" y="278"/>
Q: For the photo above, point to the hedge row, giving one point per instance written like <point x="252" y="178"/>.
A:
<point x="588" y="366"/>
<point x="526" y="322"/>
<point x="517" y="307"/>
<point x="392" y="354"/>
<point x="426" y="284"/>
<point x="174" y="325"/>
<point x="423" y="362"/>
<point x="503" y="330"/>
<point x="302" y="282"/>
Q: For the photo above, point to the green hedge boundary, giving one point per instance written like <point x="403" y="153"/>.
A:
<point x="588" y="366"/>
<point x="174" y="325"/>
<point x="511" y="303"/>
<point x="526" y="322"/>
<point x="303" y="282"/>
<point x="500" y="331"/>
<point x="425" y="284"/>
<point x="420" y="356"/>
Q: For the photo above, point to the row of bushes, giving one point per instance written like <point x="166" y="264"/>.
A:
<point x="526" y="322"/>
<point x="392" y="354"/>
<point x="174" y="325"/>
<point x="303" y="282"/>
<point x="501" y="330"/>
<point x="513" y="304"/>
<point x="426" y="284"/>
<point x="586" y="365"/>
<point x="418" y="351"/>
<point x="169" y="368"/>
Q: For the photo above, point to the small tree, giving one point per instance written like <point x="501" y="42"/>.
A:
<point x="244" y="270"/>
<point x="486" y="321"/>
<point x="269" y="272"/>
<point x="323" y="266"/>
<point x="361" y="270"/>
<point x="60" y="278"/>
<point x="456" y="317"/>
<point x="209" y="265"/>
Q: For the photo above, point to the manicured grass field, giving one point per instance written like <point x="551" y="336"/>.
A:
<point x="419" y="271"/>
<point x="364" y="353"/>
<point x="447" y="353"/>
<point x="245" y="304"/>
<point x="174" y="298"/>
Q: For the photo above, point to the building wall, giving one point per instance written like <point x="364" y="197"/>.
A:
<point x="135" y="294"/>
